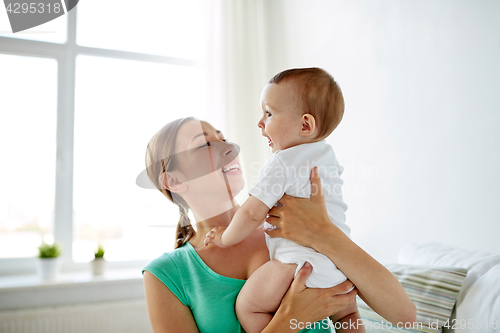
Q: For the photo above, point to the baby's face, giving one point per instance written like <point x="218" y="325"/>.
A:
<point x="281" y="119"/>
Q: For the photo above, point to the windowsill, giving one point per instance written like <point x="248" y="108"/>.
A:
<point x="29" y="291"/>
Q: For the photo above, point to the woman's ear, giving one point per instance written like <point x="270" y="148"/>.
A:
<point x="172" y="183"/>
<point x="308" y="125"/>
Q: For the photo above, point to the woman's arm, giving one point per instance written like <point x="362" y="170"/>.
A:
<point x="306" y="222"/>
<point x="301" y="305"/>
<point x="166" y="313"/>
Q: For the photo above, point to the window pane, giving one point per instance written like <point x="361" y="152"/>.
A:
<point x="163" y="27"/>
<point x="28" y="148"/>
<point x="120" y="104"/>
<point x="52" y="31"/>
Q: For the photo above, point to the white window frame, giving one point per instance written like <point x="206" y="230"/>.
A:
<point x="65" y="54"/>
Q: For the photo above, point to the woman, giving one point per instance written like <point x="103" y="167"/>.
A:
<point x="193" y="288"/>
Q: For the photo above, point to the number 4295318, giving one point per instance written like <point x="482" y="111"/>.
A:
<point x="473" y="324"/>
<point x="33" y="7"/>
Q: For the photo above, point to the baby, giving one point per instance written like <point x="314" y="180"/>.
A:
<point x="301" y="107"/>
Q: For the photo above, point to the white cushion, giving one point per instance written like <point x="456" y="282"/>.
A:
<point x="480" y="309"/>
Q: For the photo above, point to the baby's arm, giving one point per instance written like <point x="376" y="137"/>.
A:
<point x="248" y="217"/>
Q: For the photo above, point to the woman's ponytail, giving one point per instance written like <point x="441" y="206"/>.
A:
<point x="185" y="230"/>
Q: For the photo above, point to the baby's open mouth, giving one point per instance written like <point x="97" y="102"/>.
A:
<point x="269" y="141"/>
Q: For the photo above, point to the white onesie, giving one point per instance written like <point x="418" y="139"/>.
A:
<point x="288" y="171"/>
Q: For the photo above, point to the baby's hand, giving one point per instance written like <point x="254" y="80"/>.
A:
<point x="215" y="236"/>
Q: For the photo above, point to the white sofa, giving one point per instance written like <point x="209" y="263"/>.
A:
<point x="478" y="302"/>
<point x="455" y="290"/>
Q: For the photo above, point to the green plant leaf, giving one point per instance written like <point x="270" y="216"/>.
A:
<point x="49" y="251"/>
<point x="100" y="252"/>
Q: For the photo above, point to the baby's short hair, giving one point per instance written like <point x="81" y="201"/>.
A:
<point x="318" y="94"/>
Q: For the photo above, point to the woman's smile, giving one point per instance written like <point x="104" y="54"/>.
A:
<point x="232" y="168"/>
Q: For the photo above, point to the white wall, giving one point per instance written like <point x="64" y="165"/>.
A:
<point x="419" y="139"/>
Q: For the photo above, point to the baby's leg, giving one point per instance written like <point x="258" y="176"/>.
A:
<point x="348" y="320"/>
<point x="261" y="295"/>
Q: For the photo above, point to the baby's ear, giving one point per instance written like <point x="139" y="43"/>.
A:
<point x="308" y="125"/>
<point x="172" y="183"/>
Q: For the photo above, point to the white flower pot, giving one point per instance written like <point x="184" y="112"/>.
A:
<point x="48" y="268"/>
<point x="98" y="266"/>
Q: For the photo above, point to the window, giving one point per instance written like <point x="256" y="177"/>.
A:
<point x="84" y="95"/>
<point x="28" y="146"/>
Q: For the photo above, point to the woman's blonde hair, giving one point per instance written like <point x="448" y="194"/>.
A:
<point x="160" y="158"/>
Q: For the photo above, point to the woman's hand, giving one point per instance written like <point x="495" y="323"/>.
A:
<point x="302" y="305"/>
<point x="303" y="221"/>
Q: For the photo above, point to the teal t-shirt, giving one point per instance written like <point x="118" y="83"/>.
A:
<point x="210" y="296"/>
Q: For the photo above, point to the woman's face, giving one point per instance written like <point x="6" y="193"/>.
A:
<point x="207" y="164"/>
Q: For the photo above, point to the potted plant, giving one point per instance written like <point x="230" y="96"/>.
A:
<point x="98" y="264"/>
<point x="48" y="263"/>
